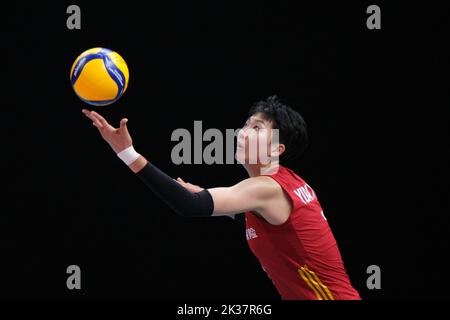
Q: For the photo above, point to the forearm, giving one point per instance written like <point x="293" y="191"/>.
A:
<point x="139" y="164"/>
<point x="174" y="195"/>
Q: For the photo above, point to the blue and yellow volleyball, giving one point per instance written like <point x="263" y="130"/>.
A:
<point x="99" y="76"/>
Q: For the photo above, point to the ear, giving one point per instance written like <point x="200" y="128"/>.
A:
<point x="281" y="149"/>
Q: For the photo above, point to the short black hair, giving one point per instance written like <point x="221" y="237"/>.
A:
<point x="291" y="125"/>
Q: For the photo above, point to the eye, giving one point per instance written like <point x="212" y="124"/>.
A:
<point x="256" y="127"/>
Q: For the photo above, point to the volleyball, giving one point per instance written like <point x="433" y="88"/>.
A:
<point x="99" y="76"/>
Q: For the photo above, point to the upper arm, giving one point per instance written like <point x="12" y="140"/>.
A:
<point x="250" y="194"/>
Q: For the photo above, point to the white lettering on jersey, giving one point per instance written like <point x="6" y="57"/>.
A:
<point x="251" y="233"/>
<point x="305" y="193"/>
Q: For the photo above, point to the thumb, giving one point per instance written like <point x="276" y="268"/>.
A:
<point x="123" y="124"/>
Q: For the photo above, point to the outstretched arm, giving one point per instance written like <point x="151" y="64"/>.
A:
<point x="172" y="193"/>
<point x="252" y="194"/>
<point x="183" y="198"/>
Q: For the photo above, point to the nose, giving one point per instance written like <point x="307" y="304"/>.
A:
<point x="242" y="134"/>
<point x="241" y="137"/>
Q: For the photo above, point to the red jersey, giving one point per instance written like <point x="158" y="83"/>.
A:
<point x="300" y="256"/>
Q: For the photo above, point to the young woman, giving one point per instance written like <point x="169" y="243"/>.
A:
<point x="285" y="225"/>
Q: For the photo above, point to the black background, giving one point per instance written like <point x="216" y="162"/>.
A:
<point x="375" y="102"/>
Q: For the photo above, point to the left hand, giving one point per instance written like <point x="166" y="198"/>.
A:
<point x="189" y="186"/>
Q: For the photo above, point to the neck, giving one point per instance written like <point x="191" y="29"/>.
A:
<point x="255" y="170"/>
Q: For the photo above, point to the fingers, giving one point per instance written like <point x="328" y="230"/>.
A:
<point x="182" y="183"/>
<point x="95" y="121"/>
<point x="99" y="118"/>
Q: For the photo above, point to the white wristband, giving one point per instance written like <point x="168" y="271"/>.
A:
<point x="128" y="155"/>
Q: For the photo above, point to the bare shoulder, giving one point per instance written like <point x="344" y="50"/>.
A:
<point x="265" y="186"/>
<point x="275" y="206"/>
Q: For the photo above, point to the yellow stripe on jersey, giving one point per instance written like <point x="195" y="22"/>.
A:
<point x="312" y="280"/>
<point x="324" y="287"/>
<point x="304" y="277"/>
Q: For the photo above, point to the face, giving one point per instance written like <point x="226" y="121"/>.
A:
<point x="257" y="142"/>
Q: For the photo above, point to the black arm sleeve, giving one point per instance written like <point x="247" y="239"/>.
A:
<point x="174" y="195"/>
